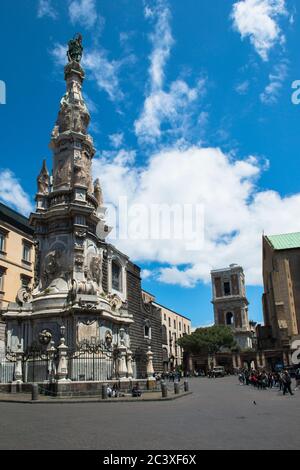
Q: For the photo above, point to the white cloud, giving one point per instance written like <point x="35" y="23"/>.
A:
<point x="146" y="274"/>
<point x="243" y="87"/>
<point x="83" y="12"/>
<point x="276" y="79"/>
<point x="167" y="107"/>
<point x="12" y="193"/>
<point x="236" y="212"/>
<point x="259" y="20"/>
<point x="162" y="42"/>
<point x="102" y="70"/>
<point x="203" y="118"/>
<point x="116" y="139"/>
<point x="59" y="53"/>
<point x="45" y="8"/>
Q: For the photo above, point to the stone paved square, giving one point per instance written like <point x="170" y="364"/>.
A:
<point x="220" y="414"/>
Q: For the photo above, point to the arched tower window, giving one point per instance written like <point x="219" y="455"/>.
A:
<point x="229" y="318"/>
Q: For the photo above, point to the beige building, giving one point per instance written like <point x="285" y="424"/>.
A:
<point x="16" y="254"/>
<point x="174" y="327"/>
<point x="16" y="259"/>
<point x="281" y="298"/>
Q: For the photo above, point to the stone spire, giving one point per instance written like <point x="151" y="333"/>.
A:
<point x="43" y="180"/>
<point x="72" y="146"/>
<point x="71" y="264"/>
<point x="68" y="211"/>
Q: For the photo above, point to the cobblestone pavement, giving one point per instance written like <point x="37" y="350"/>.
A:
<point x="220" y="414"/>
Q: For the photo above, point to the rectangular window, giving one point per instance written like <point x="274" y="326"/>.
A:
<point x="188" y="330"/>
<point x="227" y="288"/>
<point x="180" y="326"/>
<point x="2" y="274"/>
<point x="165" y="317"/>
<point x="2" y="242"/>
<point x="80" y="220"/>
<point x="174" y="323"/>
<point x="184" y="328"/>
<point x="26" y="252"/>
<point x="169" y="321"/>
<point x="116" y="276"/>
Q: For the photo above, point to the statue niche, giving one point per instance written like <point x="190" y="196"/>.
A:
<point x="96" y="269"/>
<point x="80" y="175"/>
<point x="62" y="172"/>
<point x="52" y="265"/>
<point x="92" y="283"/>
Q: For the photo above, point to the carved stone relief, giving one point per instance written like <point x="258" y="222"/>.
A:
<point x="87" y="329"/>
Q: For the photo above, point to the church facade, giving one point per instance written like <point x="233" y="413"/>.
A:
<point x="86" y="300"/>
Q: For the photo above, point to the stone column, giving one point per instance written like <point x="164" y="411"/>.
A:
<point x="18" y="368"/>
<point x="62" y="369"/>
<point x="149" y="369"/>
<point x="234" y="364"/>
<point x="263" y="359"/>
<point x="258" y="364"/>
<point x="129" y="364"/>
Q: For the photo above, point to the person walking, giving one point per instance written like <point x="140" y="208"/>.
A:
<point x="297" y="377"/>
<point x="286" y="381"/>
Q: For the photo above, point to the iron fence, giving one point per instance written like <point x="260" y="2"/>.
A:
<point x="92" y="362"/>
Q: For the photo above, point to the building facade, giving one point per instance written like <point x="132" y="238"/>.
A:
<point x="174" y="326"/>
<point x="231" y="304"/>
<point x="16" y="259"/>
<point x="16" y="254"/>
<point x="281" y="298"/>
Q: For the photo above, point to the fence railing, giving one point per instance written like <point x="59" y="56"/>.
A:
<point x="7" y="371"/>
<point x="83" y="365"/>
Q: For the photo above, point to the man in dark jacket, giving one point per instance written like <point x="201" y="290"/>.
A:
<point x="286" y="381"/>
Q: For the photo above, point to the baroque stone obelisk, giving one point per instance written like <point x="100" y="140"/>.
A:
<point x="68" y="286"/>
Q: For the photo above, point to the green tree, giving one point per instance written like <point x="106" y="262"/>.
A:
<point x="208" y="340"/>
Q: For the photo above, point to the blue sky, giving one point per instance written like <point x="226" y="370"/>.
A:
<point x="190" y="103"/>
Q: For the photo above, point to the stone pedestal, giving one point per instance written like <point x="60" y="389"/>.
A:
<point x="129" y="364"/>
<point x="122" y="367"/>
<point x="18" y="368"/>
<point x="62" y="369"/>
<point x="151" y="383"/>
<point x="149" y="369"/>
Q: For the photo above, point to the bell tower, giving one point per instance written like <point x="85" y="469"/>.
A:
<point x="230" y="302"/>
